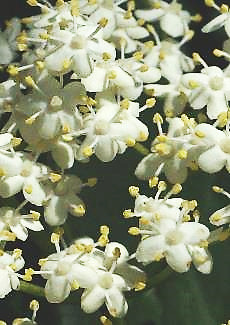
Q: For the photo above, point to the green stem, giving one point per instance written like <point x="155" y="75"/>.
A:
<point x="119" y="321"/>
<point x="141" y="149"/>
<point x="31" y="289"/>
<point x="159" y="278"/>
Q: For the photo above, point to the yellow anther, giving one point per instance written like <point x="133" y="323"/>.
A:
<point x="40" y="65"/>
<point x="42" y="261"/>
<point x="79" y="210"/>
<point x="144" y="68"/>
<point x="140" y="22"/>
<point x="149" y="44"/>
<point x="2" y="172"/>
<point x="196" y="57"/>
<point x="140" y="286"/>
<point x="104" y="230"/>
<point x="192" y="205"/>
<point x="32" y="3"/>
<point x="153" y="181"/>
<point x="103" y="22"/>
<point x="222" y="119"/>
<point x="150" y="28"/>
<point x="66" y="63"/>
<point x="193" y="84"/>
<point x="106" y="56"/>
<point x="157" y="5"/>
<point x="150" y="102"/>
<point x="224" y="8"/>
<point x="30" y="82"/>
<point x="74" y="8"/>
<point x="44" y="36"/>
<point x="189" y="34"/>
<point x="17" y="253"/>
<point x="59" y="3"/>
<point x="185" y="119"/>
<point x="186" y="218"/>
<point x="144" y="221"/>
<point x="28" y="274"/>
<point x="26" y="20"/>
<point x="177" y="188"/>
<point x="22" y="47"/>
<point x="209" y="3"/>
<point x="134" y="191"/>
<point x="197" y="18"/>
<point x="55" y="238"/>
<point x="199" y="134"/>
<point x="9" y="236"/>
<point x="218" y="53"/>
<point x="87" y="151"/>
<point x="217" y="189"/>
<point x="203" y="244"/>
<point x="103" y="240"/>
<point x="84" y="109"/>
<point x="67" y="137"/>
<point x="92" y="2"/>
<point x="66" y="128"/>
<point x="134" y="231"/>
<point x="128" y="14"/>
<point x="34" y="305"/>
<point x="105" y="321"/>
<point x="157" y="118"/>
<point x="128" y="214"/>
<point x="112" y="74"/>
<point x="13" y="266"/>
<point x="16" y="141"/>
<point x="216" y="217"/>
<point x="28" y="189"/>
<point x="162" y="186"/>
<point x="130" y="142"/>
<point x="158" y="256"/>
<point x="75" y="285"/>
<point x="80" y="247"/>
<point x="162" y="55"/>
<point x="200" y="259"/>
<point x="143" y="136"/>
<point x="88" y="248"/>
<point x="131" y="5"/>
<point x="91" y="182"/>
<point x="182" y="154"/>
<point x="30" y="120"/>
<point x="162" y="138"/>
<point x="138" y="55"/>
<point x="54" y="177"/>
<point x="35" y="215"/>
<point x="2" y="322"/>
<point x="124" y="104"/>
<point x="12" y="70"/>
<point x="163" y="149"/>
<point x="193" y="165"/>
<point x="117" y="252"/>
<point x="91" y="102"/>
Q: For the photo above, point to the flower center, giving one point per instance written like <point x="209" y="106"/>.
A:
<point x="174" y="237"/>
<point x="63" y="268"/>
<point x="78" y="42"/>
<point x="26" y="169"/>
<point x="225" y="145"/>
<point x="216" y="83"/>
<point x="106" y="281"/>
<point x="55" y="101"/>
<point x="101" y="127"/>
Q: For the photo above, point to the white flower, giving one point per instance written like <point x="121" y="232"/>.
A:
<point x="10" y="262"/>
<point x="12" y="219"/>
<point x="211" y="87"/>
<point x="28" y="180"/>
<point x="62" y="199"/>
<point x="173" y="20"/>
<point x="218" y="22"/>
<point x="221" y="216"/>
<point x="8" y="41"/>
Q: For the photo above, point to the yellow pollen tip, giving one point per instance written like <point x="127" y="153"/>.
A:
<point x="30" y="120"/>
<point x="182" y="154"/>
<point x="28" y="189"/>
<point x="139" y="286"/>
<point x="224" y="8"/>
<point x="218" y="53"/>
<point x="16" y="141"/>
<point x="75" y="285"/>
<point x="104" y="230"/>
<point x="193" y="84"/>
<point x="42" y="261"/>
<point x="28" y="274"/>
<point x="87" y="151"/>
<point x="222" y="119"/>
<point x="103" y="240"/>
<point x="105" y="321"/>
<point x="12" y="70"/>
<point x="157" y="257"/>
<point x="74" y="8"/>
<point x="134" y="231"/>
<point x="140" y="22"/>
<point x="138" y="55"/>
<point x="124" y="104"/>
<point x="32" y="3"/>
<point x="149" y="44"/>
<point x="103" y="22"/>
<point x="204" y="244"/>
<point x="196" y="57"/>
<point x="177" y="188"/>
<point x="153" y="181"/>
<point x="134" y="191"/>
<point x="162" y="186"/>
<point x="150" y="102"/>
<point x="2" y="322"/>
<point x="144" y="68"/>
<point x="106" y="56"/>
<point x="112" y="75"/>
<point x="157" y="118"/>
<point x="217" y="189"/>
<point x="66" y="64"/>
<point x="30" y="82"/>
<point x="128" y="214"/>
<point x="216" y="217"/>
<point x="130" y="142"/>
<point x="34" y="305"/>
<point x="162" y="149"/>
<point x="209" y="3"/>
<point x="54" y="177"/>
<point x="55" y="238"/>
<point x="143" y="136"/>
<point x="17" y="252"/>
<point x="59" y="3"/>
<point x="197" y="18"/>
<point x="35" y="215"/>
<point x="79" y="210"/>
<point x="199" y="134"/>
<point x="91" y="182"/>
<point x="144" y="221"/>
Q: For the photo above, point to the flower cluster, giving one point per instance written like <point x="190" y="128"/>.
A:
<point x="80" y="76"/>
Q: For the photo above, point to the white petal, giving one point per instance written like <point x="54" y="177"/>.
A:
<point x="85" y="276"/>
<point x="116" y="303"/>
<point x="215" y="24"/>
<point x="172" y="24"/>
<point x="178" y="258"/>
<point x="81" y="63"/>
<point x="221" y="216"/>
<point x="92" y="299"/>
<point x="227" y="25"/>
<point x="6" y="54"/>
<point x="148" y="166"/>
<point x="11" y="185"/>
<point x="37" y="195"/>
<point x="175" y="170"/>
<point x="11" y="165"/>
<point x="48" y="125"/>
<point x="212" y="160"/>
<point x="149" y="248"/>
<point x="106" y="148"/>
<point x="201" y="259"/>
<point x="5" y="286"/>
<point x="57" y="289"/>
<point x="98" y="74"/>
<point x="19" y="231"/>
<point x="216" y="104"/>
<point x="63" y="155"/>
<point x="151" y="75"/>
<point x="194" y="232"/>
<point x="55" y="212"/>
<point x="137" y="32"/>
<point x="32" y="225"/>
<point x="149" y="15"/>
